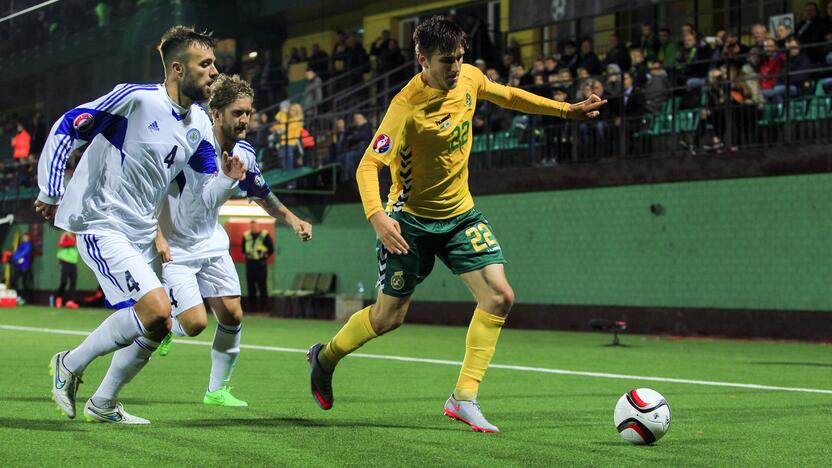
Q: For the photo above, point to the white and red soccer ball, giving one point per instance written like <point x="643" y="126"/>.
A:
<point x="642" y="416"/>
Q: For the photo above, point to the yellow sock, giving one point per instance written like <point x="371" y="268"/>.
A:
<point x="480" y="342"/>
<point x="352" y="336"/>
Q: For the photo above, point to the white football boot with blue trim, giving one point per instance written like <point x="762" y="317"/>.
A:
<point x="114" y="415"/>
<point x="64" y="385"/>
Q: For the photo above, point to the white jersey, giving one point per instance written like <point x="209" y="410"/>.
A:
<point x="139" y="141"/>
<point x="189" y="218"/>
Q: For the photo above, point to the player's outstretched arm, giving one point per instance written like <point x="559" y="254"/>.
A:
<point x="524" y="101"/>
<point x="276" y="209"/>
<point x="218" y="189"/>
<point x="587" y="109"/>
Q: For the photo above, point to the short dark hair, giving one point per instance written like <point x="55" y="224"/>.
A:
<point x="175" y="42"/>
<point x="439" y="34"/>
<point x="227" y="89"/>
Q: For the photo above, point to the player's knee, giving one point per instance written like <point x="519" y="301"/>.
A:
<point x="234" y="316"/>
<point x="194" y="326"/>
<point x="502" y="301"/>
<point x="154" y="309"/>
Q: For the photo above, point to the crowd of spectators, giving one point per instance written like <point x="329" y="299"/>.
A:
<point x="61" y="19"/>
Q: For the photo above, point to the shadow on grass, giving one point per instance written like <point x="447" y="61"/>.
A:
<point x="56" y="425"/>
<point x="794" y="363"/>
<point x="295" y="422"/>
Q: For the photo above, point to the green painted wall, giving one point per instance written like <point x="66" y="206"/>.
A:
<point x="746" y="243"/>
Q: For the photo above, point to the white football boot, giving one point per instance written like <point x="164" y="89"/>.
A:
<point x="469" y="412"/>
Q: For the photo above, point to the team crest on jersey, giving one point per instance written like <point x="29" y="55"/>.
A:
<point x="382" y="144"/>
<point x="83" y="122"/>
<point x="192" y="136"/>
<point x="468" y="99"/>
<point x="397" y="281"/>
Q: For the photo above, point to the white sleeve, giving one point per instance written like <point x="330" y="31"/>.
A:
<point x="105" y="116"/>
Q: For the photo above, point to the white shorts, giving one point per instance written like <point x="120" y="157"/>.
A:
<point x="190" y="281"/>
<point x="126" y="272"/>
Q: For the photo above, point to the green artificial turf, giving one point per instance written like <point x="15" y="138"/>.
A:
<point x="389" y="412"/>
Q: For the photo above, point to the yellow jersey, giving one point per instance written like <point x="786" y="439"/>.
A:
<point x="425" y="138"/>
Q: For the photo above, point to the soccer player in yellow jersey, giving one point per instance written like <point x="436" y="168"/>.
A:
<point x="425" y="138"/>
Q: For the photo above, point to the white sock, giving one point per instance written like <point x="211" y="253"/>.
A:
<point x="116" y="331"/>
<point x="224" y="354"/>
<point x="127" y="362"/>
<point x="177" y="328"/>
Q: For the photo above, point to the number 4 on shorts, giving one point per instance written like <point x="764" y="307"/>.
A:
<point x="132" y="285"/>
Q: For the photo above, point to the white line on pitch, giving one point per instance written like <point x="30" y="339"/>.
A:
<point x="457" y="363"/>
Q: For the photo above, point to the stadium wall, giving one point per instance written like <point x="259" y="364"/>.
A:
<point x="755" y="243"/>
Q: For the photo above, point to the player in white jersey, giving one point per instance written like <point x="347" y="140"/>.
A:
<point x="140" y="137"/>
<point x="194" y="246"/>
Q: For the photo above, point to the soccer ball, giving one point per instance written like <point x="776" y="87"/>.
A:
<point x="642" y="416"/>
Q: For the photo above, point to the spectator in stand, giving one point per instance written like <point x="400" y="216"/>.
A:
<point x="657" y="90"/>
<point x="339" y="55"/>
<point x="507" y="63"/>
<point x="617" y="53"/>
<point x="668" y="49"/>
<point x="717" y="44"/>
<point x="782" y="32"/>
<point x="304" y="56"/>
<point x="493" y="75"/>
<point x="358" y="62"/>
<point x="751" y="75"/>
<point x="631" y="108"/>
<point x="566" y="82"/>
<point x="771" y="66"/>
<point x="538" y="68"/>
<point x="811" y="30"/>
<point x="692" y="63"/>
<point x="827" y="22"/>
<point x="799" y="78"/>
<point x="557" y="132"/>
<point x="612" y="80"/>
<point x="21" y="143"/>
<point x="569" y="56"/>
<point x="588" y="59"/>
<point x="319" y="61"/>
<point x="759" y="34"/>
<point x="379" y="49"/>
<point x="550" y="67"/>
<point x="479" y="41"/>
<point x="260" y="132"/>
<point x="393" y="60"/>
<point x="519" y="77"/>
<point x="294" y="56"/>
<point x="22" y="269"/>
<point x="338" y="142"/>
<point x="68" y="263"/>
<point x="38" y="133"/>
<point x="480" y="63"/>
<point x="358" y="138"/>
<point x="313" y="93"/>
<point x="638" y="67"/>
<point x="286" y="134"/>
<point x="647" y="42"/>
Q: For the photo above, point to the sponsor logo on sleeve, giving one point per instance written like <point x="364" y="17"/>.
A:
<point x="83" y="122"/>
<point x="382" y="144"/>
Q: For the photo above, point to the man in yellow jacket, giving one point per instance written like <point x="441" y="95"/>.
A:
<point x="257" y="248"/>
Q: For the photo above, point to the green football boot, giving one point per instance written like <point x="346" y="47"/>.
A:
<point x="222" y="397"/>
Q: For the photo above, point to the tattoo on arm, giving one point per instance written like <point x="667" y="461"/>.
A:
<point x="271" y="204"/>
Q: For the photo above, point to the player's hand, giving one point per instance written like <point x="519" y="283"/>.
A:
<point x="587" y="109"/>
<point x="46" y="210"/>
<point x="233" y="167"/>
<point x="163" y="248"/>
<point x="302" y="229"/>
<point x="389" y="232"/>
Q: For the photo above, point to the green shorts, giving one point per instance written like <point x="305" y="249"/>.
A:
<point x="464" y="243"/>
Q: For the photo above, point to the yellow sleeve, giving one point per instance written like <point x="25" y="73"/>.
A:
<point x="368" y="187"/>
<point x="389" y="139"/>
<point x="518" y="99"/>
